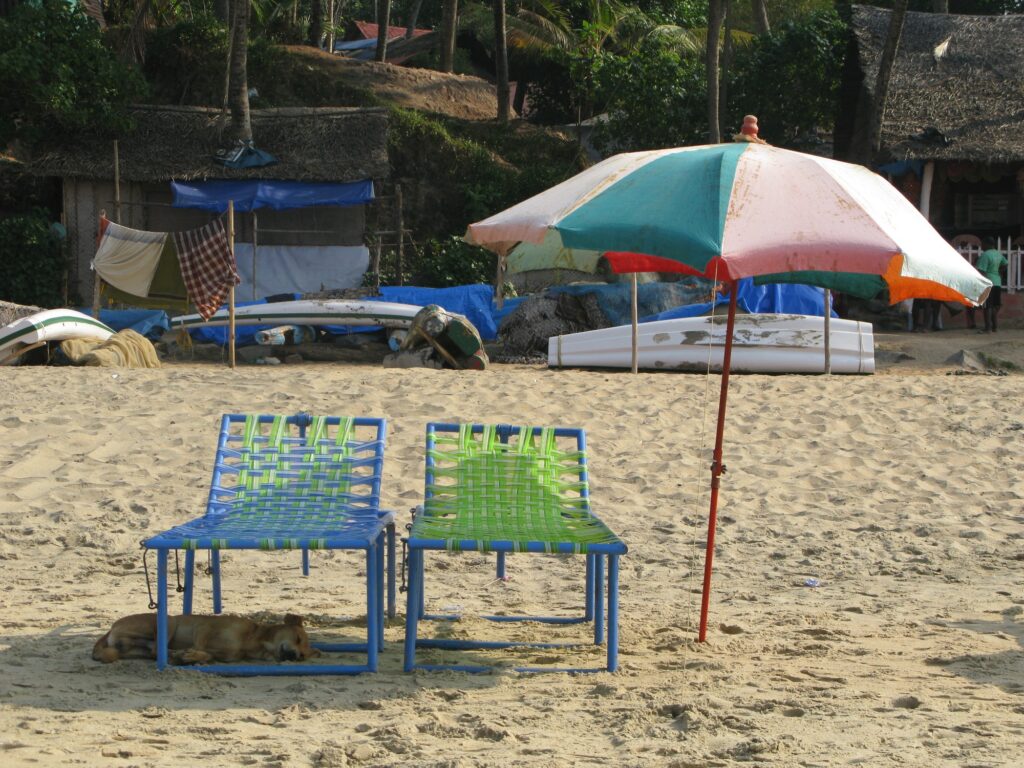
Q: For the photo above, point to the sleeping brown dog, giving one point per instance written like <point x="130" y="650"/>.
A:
<point x="201" y="639"/>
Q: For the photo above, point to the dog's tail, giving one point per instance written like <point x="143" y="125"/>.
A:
<point x="103" y="651"/>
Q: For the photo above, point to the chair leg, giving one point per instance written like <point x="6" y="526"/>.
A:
<point x="305" y="562"/>
<point x="500" y="570"/>
<point x="190" y="572"/>
<point x="161" y="609"/>
<point x="598" y="599"/>
<point x="392" y="607"/>
<point x="588" y="605"/>
<point x="215" y="569"/>
<point x="413" y="607"/>
<point x="378" y="613"/>
<point x="421" y="593"/>
<point x="613" y="612"/>
<point x="372" y="601"/>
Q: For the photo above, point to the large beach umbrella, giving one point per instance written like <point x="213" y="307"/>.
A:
<point x="730" y="211"/>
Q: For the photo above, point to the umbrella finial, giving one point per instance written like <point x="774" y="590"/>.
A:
<point x="749" y="131"/>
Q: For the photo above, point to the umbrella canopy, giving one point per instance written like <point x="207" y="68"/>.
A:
<point x="739" y="210"/>
<point x="742" y="210"/>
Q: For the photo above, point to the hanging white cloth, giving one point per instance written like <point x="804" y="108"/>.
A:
<point x="127" y="258"/>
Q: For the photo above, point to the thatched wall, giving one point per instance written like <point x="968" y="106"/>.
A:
<point x="312" y="144"/>
<point x="961" y="75"/>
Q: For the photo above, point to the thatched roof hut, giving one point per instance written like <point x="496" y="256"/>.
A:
<point x="957" y="88"/>
<point x="311" y="144"/>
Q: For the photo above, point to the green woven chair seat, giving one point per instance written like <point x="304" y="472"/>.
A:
<point x="530" y="491"/>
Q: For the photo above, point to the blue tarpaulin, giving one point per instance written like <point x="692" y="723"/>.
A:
<point x="151" y="323"/>
<point x="782" y="298"/>
<point x="473" y="301"/>
<point x="279" y="195"/>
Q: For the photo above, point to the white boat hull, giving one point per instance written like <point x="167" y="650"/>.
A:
<point x="311" y="312"/>
<point x="50" y="325"/>
<point x="763" y="343"/>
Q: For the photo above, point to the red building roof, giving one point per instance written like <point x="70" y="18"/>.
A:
<point x="369" y="31"/>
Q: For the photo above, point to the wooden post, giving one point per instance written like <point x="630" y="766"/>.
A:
<point x="376" y="265"/>
<point x="231" y="293"/>
<point x="636" y="332"/>
<point x="254" y="297"/>
<point x="117" y="184"/>
<point x="398" y="233"/>
<point x="499" y="279"/>
<point x="828" y="331"/>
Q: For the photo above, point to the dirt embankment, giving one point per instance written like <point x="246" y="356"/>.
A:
<point x="461" y="96"/>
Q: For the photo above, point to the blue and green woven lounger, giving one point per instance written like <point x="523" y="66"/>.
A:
<point x="505" y="489"/>
<point x="291" y="482"/>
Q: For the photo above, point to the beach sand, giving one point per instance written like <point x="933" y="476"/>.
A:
<point x="899" y="495"/>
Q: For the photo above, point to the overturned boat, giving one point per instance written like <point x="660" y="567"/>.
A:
<point x="388" y="314"/>
<point x="34" y="331"/>
<point x="762" y="343"/>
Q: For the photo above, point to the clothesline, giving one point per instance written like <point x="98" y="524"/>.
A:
<point x="129" y="260"/>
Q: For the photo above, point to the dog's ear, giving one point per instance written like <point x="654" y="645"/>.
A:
<point x="293" y="620"/>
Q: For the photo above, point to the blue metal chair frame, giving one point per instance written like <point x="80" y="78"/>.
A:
<point x="602" y="569"/>
<point x="368" y="528"/>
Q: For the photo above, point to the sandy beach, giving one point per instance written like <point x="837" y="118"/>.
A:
<point x="868" y="604"/>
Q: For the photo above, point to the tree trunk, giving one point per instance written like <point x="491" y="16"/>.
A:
<point x="715" y="15"/>
<point x="227" y="62"/>
<point x="222" y="10"/>
<point x="238" y="93"/>
<point x="940" y="6"/>
<point x="726" y="64"/>
<point x="501" y="60"/>
<point x="885" y="65"/>
<point x="332" y="9"/>
<point x="449" y="29"/>
<point x="760" y="8"/>
<point x="414" y="15"/>
<point x="316" y="22"/>
<point x="383" y="24"/>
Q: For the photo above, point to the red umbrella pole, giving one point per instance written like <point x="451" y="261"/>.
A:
<point x="717" y="468"/>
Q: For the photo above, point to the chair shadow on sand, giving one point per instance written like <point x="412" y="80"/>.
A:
<point x="1004" y="669"/>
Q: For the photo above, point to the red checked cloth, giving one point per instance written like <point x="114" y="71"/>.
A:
<point x="207" y="266"/>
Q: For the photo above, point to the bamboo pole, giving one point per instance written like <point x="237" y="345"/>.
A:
<point x="400" y="253"/>
<point x="254" y="241"/>
<point x="636" y="332"/>
<point x="231" y="293"/>
<point x="499" y="279"/>
<point x="117" y="183"/>
<point x="828" y="331"/>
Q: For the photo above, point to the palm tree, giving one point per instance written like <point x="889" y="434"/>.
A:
<point x="449" y="28"/>
<point x="501" y="59"/>
<point x="892" y="44"/>
<point x="716" y="13"/>
<point x="383" y="27"/>
<point x="237" y="92"/>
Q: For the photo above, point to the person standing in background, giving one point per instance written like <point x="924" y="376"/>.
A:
<point x="989" y="263"/>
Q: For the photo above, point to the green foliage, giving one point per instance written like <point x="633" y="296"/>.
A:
<point x="185" y="62"/>
<point x="477" y="168"/>
<point x="33" y="260"/>
<point x="654" y="98"/>
<point x="789" y="79"/>
<point x="57" y="78"/>
<point x="440" y="263"/>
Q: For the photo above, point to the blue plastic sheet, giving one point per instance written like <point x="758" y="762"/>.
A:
<point x="279" y="195"/>
<point x="473" y="301"/>
<point x="151" y="323"/>
<point x="245" y="335"/>
<point x="782" y="298"/>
